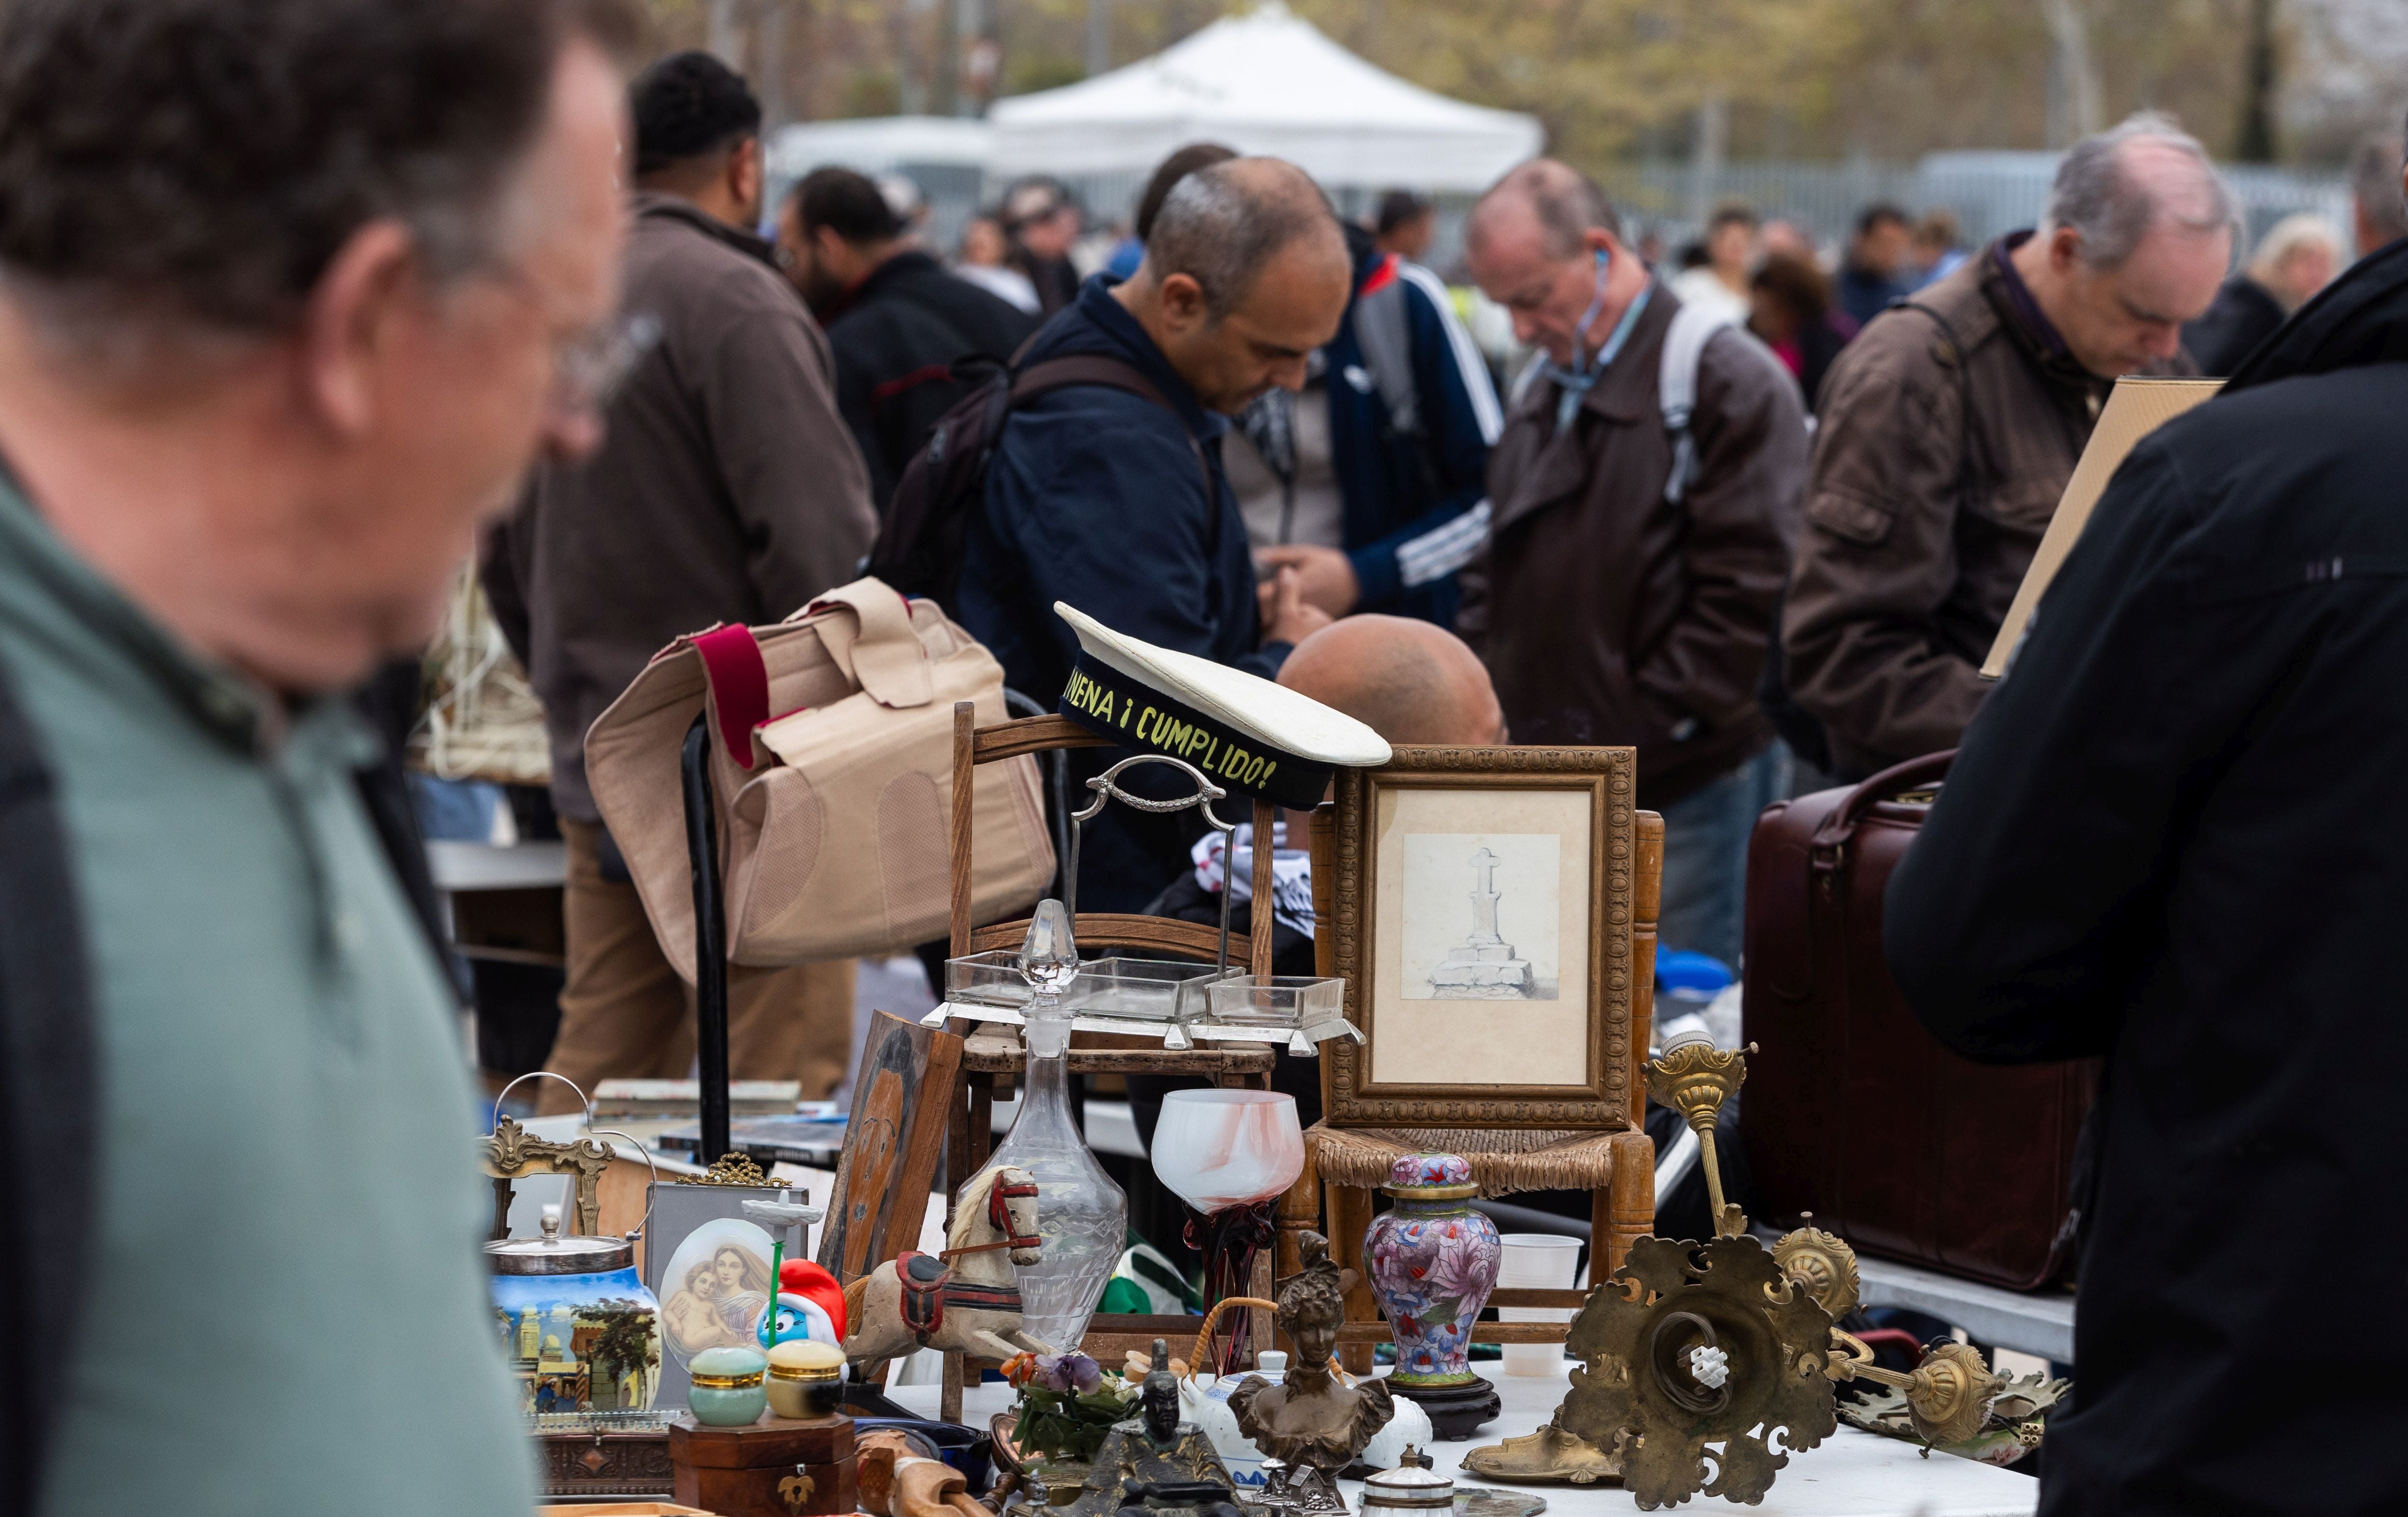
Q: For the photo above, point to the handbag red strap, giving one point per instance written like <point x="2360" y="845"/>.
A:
<point x="740" y="687"/>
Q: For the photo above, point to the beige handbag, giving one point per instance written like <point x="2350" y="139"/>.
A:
<point x="831" y="767"/>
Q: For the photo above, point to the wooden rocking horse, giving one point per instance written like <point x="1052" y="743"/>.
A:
<point x="964" y="1300"/>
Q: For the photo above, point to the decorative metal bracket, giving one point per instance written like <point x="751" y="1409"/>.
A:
<point x="1106" y="788"/>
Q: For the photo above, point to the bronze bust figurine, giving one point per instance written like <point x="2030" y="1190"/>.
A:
<point x="1311" y="1424"/>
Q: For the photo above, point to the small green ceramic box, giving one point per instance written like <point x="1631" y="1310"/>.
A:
<point x="726" y="1386"/>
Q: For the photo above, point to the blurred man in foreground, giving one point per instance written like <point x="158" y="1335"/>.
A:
<point x="728" y="490"/>
<point x="1950" y="426"/>
<point x="1108" y="492"/>
<point x="2175" y="837"/>
<point x="291" y="292"/>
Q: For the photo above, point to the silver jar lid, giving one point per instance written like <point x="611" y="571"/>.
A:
<point x="1410" y="1485"/>
<point x="552" y="1255"/>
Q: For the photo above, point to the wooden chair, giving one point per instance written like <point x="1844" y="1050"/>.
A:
<point x="1617" y="1165"/>
<point x="994" y="1058"/>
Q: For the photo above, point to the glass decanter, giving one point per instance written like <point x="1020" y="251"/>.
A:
<point x="1081" y="1213"/>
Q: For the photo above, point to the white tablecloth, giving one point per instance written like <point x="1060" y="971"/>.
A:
<point x="1852" y="1474"/>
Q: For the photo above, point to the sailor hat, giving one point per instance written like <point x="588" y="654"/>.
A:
<point x="1244" y="733"/>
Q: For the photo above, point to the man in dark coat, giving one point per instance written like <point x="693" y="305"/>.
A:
<point x="895" y="318"/>
<point x="727" y="489"/>
<point x="1117" y="504"/>
<point x="2176" y="837"/>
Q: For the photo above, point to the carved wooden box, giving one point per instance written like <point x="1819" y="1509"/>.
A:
<point x="776" y="1467"/>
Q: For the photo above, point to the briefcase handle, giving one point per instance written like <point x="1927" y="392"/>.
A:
<point x="1838" y="829"/>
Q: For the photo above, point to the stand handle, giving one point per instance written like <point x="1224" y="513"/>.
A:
<point x="710" y="941"/>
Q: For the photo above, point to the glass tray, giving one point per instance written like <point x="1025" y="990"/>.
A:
<point x="1277" y="1001"/>
<point x="1138" y="990"/>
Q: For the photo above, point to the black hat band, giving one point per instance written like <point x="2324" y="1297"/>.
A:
<point x="1135" y="714"/>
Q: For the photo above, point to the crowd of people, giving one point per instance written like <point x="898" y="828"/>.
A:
<point x="298" y="314"/>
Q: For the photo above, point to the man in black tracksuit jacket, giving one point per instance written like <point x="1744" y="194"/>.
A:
<point x="2177" y="836"/>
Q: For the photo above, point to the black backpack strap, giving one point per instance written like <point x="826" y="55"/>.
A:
<point x="1096" y="368"/>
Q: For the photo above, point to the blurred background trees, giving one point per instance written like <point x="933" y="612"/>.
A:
<point x="1620" y="81"/>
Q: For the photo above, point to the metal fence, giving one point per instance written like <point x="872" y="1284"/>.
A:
<point x="1990" y="193"/>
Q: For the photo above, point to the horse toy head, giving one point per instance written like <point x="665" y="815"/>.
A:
<point x="1011" y="1211"/>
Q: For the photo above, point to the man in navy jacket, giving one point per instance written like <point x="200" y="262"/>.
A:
<point x="1412" y="417"/>
<point x="1116" y="505"/>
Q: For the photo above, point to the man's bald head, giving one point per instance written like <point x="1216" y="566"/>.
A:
<point x="1563" y="203"/>
<point x="1225" y="224"/>
<point x="2118" y="186"/>
<point x="1406" y="680"/>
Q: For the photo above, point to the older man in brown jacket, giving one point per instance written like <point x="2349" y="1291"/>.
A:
<point x="1951" y="425"/>
<point x="1615" y="603"/>
<point x="727" y="489"/>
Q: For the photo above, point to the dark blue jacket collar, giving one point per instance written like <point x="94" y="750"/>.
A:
<point x="1097" y="323"/>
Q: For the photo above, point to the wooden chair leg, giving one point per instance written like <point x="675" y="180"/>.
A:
<point x="1628" y="1206"/>
<point x="949" y="1403"/>
<point x="1299" y="1211"/>
<point x="1258" y="1322"/>
<point x="1350" y="1218"/>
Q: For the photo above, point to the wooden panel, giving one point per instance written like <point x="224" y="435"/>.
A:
<point x="1095" y="1053"/>
<point x="1032" y="735"/>
<point x="1646" y="904"/>
<point x="907" y="1088"/>
<point x="1102" y="932"/>
<point x="1349" y="1209"/>
<point x="1538" y="1297"/>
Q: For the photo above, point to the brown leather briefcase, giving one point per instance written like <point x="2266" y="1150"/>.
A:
<point x="1852" y="1110"/>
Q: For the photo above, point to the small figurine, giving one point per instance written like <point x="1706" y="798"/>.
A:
<point x="966" y="1299"/>
<point x="1154" y="1459"/>
<point x="1308" y="1425"/>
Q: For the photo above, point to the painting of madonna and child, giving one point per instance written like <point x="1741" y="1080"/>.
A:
<point x="715" y="1288"/>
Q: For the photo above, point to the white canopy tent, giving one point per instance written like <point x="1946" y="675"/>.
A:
<point x="875" y="143"/>
<point x="1268" y="83"/>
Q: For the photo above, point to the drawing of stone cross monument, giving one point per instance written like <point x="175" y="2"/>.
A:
<point x="1483" y="967"/>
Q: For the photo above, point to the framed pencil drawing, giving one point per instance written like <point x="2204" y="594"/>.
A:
<point x="1482" y="913"/>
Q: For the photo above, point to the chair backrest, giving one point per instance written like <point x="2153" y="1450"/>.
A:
<point x="974" y="745"/>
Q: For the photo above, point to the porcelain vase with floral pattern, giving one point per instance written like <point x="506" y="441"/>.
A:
<point x="1433" y="1263"/>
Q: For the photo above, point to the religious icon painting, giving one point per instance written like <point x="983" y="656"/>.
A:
<point x="1482" y="920"/>
<point x="709" y="1265"/>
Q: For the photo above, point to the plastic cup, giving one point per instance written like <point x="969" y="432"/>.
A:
<point x="1536" y="1261"/>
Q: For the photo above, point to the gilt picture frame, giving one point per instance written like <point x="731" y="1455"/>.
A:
<point x="1482" y="920"/>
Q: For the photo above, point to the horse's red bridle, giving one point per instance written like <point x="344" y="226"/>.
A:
<point x="998" y="1216"/>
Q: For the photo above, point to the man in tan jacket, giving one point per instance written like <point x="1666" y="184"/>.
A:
<point x="1951" y="425"/>
<point x="727" y="489"/>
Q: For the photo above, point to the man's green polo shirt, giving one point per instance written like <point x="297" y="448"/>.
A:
<point x="287" y="1312"/>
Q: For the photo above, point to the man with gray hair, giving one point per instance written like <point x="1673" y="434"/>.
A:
<point x="1105" y="490"/>
<point x="1643" y="500"/>
<point x="2377" y="211"/>
<point x="291" y="293"/>
<point x="1949" y="429"/>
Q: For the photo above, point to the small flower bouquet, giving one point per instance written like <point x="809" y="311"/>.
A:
<point x="1068" y="1402"/>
